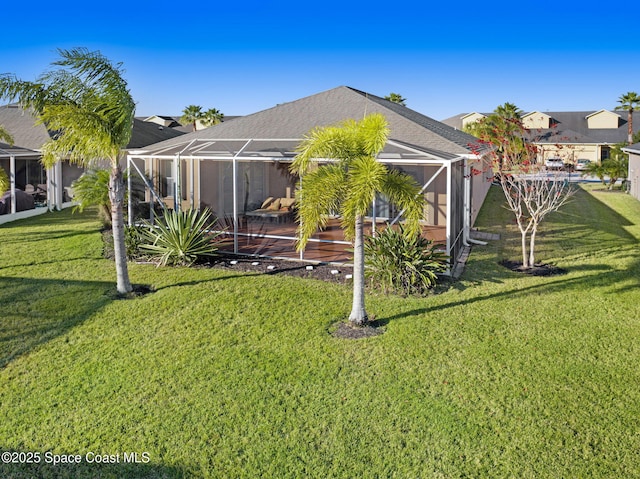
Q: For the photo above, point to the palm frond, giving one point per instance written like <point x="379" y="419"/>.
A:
<point x="5" y="136"/>
<point x="4" y="181"/>
<point x="321" y="195"/>
<point x="403" y="191"/>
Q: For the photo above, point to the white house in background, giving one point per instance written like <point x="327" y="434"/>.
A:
<point x="570" y="135"/>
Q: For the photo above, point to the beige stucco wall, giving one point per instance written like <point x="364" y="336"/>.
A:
<point x="536" y="119"/>
<point x="472" y="118"/>
<point x="634" y="175"/>
<point x="603" y="119"/>
<point x="481" y="178"/>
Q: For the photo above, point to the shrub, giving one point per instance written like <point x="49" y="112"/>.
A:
<point x="179" y="238"/>
<point x="403" y="265"/>
<point x="132" y="240"/>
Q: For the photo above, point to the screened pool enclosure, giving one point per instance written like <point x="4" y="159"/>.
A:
<point x="248" y="186"/>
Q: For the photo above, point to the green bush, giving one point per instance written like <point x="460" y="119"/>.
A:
<point x="132" y="240"/>
<point x="404" y="265"/>
<point x="179" y="238"/>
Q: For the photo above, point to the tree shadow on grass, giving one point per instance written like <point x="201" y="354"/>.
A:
<point x="126" y="467"/>
<point x="35" y="311"/>
<point x="553" y="284"/>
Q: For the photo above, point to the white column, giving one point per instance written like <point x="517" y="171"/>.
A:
<point x="12" y="182"/>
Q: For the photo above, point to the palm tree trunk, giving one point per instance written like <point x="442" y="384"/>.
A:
<point x="358" y="314"/>
<point x="630" y="126"/>
<point x="116" y="195"/>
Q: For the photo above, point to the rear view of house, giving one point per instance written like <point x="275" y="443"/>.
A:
<point x="240" y="170"/>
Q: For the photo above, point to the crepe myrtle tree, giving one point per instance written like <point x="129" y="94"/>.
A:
<point x="86" y="101"/>
<point x="531" y="193"/>
<point x="340" y="174"/>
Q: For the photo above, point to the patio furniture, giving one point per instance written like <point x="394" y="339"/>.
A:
<point x="277" y="209"/>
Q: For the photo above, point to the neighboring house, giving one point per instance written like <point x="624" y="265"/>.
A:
<point x="569" y="135"/>
<point x="22" y="162"/>
<point x="240" y="168"/>
<point x="173" y="122"/>
<point x="634" y="169"/>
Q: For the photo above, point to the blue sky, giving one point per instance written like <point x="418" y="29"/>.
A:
<point x="244" y="56"/>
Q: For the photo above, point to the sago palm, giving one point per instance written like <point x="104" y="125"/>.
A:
<point x="340" y="173"/>
<point x="86" y="100"/>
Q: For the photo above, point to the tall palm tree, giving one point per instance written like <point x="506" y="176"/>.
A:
<point x="629" y="101"/>
<point x="396" y="98"/>
<point x="509" y="111"/>
<point x="212" y="117"/>
<point x="191" y="114"/>
<point x="347" y="184"/>
<point x="87" y="102"/>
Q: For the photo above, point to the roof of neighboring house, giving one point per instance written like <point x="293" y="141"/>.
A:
<point x="21" y="124"/>
<point x="572" y="127"/>
<point x="146" y="133"/>
<point x="635" y="149"/>
<point x="295" y="119"/>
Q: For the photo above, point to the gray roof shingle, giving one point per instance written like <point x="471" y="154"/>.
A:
<point x="294" y="119"/>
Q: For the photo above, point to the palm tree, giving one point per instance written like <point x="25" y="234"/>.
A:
<point x="396" y="98"/>
<point x="87" y="102"/>
<point x="348" y="184"/>
<point x="629" y="101"/>
<point x="212" y="117"/>
<point x="509" y="111"/>
<point x="191" y="114"/>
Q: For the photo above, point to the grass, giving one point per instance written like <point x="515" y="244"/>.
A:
<point x="218" y="374"/>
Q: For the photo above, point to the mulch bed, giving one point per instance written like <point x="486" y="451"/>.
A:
<point x="247" y="264"/>
<point x="539" y="269"/>
<point x="344" y="330"/>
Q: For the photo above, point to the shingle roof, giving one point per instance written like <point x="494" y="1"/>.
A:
<point x="145" y="133"/>
<point x="295" y="119"/>
<point x="21" y="124"/>
<point x="635" y="148"/>
<point x="572" y="127"/>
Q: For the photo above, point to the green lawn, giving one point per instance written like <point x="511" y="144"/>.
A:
<point x="226" y="375"/>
